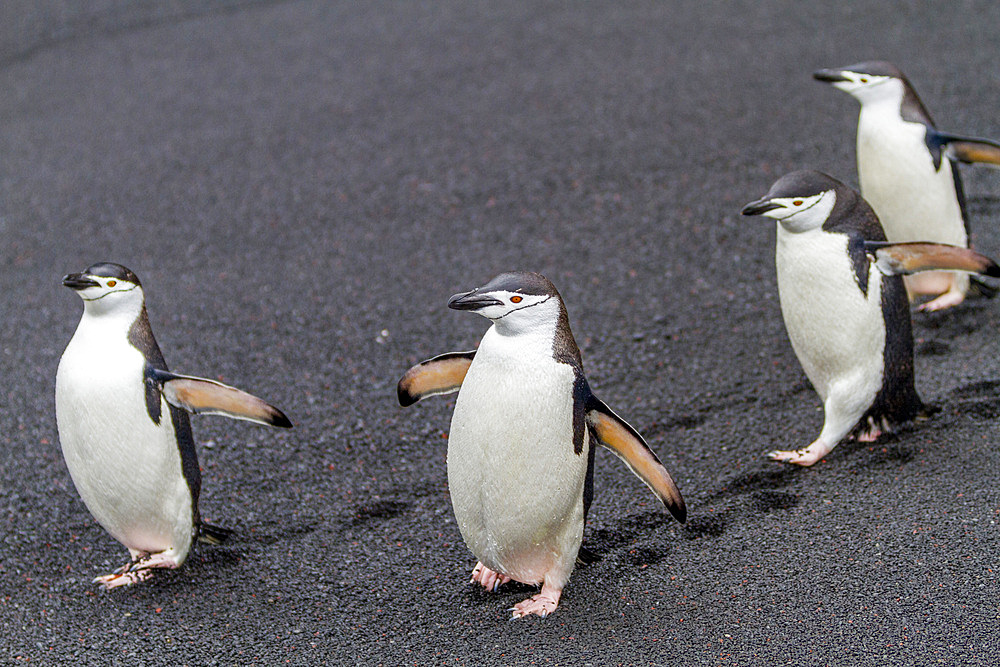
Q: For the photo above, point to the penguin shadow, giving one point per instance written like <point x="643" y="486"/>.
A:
<point x="983" y="205"/>
<point x="979" y="401"/>
<point x="376" y="512"/>
<point x="215" y="558"/>
<point x="888" y="450"/>
<point x="273" y="532"/>
<point x="930" y="348"/>
<point x="380" y="510"/>
<point x="626" y="531"/>
<point x="932" y="329"/>
<point x="755" y="492"/>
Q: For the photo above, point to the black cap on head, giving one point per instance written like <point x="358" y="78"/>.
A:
<point x="803" y="183"/>
<point x="875" y="68"/>
<point x="112" y="270"/>
<point x="524" y="282"/>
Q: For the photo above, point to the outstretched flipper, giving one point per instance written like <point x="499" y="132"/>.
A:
<point x="969" y="150"/>
<point x="441" y="375"/>
<point x="614" y="433"/>
<point x="909" y="258"/>
<point x="203" y="396"/>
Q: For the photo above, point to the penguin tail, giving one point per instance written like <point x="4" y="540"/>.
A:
<point x="214" y="535"/>
<point x="927" y="410"/>
<point x="585" y="556"/>
<point x="979" y="288"/>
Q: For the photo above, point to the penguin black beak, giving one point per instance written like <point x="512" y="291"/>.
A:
<point x="79" y="281"/>
<point x="829" y="75"/>
<point x="759" y="207"/>
<point x="472" y="301"/>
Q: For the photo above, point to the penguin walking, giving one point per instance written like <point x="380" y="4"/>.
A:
<point x="908" y="170"/>
<point x="520" y="451"/>
<point x="849" y="325"/>
<point x="124" y="431"/>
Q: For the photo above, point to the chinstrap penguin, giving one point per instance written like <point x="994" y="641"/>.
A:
<point x="908" y="170"/>
<point x="849" y="325"/>
<point x="520" y="450"/>
<point x="124" y="431"/>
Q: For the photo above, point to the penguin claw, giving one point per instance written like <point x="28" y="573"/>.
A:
<point x="126" y="578"/>
<point x="542" y="604"/>
<point x="487" y="578"/>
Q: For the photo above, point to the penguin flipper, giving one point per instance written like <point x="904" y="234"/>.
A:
<point x="208" y="397"/>
<point x="615" y="434"/>
<point x="908" y="258"/>
<point x="969" y="150"/>
<point x="442" y="374"/>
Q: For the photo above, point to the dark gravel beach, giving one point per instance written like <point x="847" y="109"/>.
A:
<point x="301" y="186"/>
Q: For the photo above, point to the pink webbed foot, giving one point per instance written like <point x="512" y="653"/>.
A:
<point x="138" y="570"/>
<point x="542" y="604"/>
<point x="802" y="457"/>
<point x="487" y="578"/>
<point x="116" y="579"/>
<point x="946" y="300"/>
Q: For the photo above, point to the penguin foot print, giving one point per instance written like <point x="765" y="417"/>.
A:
<point x="120" y="578"/>
<point x="542" y="605"/>
<point x="487" y="578"/>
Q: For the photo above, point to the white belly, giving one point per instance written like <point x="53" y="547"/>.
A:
<point x="838" y="333"/>
<point x="516" y="484"/>
<point x="913" y="201"/>
<point x="126" y="468"/>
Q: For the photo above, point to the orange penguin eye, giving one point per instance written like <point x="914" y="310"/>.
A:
<point x="515" y="299"/>
<point x="797" y="202"/>
<point x="112" y="283"/>
<point x="864" y="79"/>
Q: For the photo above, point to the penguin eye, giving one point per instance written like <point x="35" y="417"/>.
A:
<point x="112" y="283"/>
<point x="864" y="79"/>
<point x="797" y="202"/>
<point x="515" y="299"/>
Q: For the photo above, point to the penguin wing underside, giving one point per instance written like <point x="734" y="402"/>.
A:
<point x="208" y="397"/>
<point x="908" y="258"/>
<point x="442" y="374"/>
<point x="969" y="149"/>
<point x="615" y="434"/>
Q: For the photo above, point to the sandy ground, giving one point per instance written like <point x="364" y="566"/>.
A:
<point x="301" y="186"/>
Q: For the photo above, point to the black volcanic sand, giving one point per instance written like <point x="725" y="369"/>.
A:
<point x="301" y="187"/>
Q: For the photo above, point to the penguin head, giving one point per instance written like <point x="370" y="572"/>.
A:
<point x="515" y="302"/>
<point x="867" y="82"/>
<point x="799" y="201"/>
<point x="106" y="288"/>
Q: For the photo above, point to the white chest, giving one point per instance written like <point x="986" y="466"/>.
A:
<point x="515" y="481"/>
<point x="126" y="468"/>
<point x="837" y="332"/>
<point x="914" y="201"/>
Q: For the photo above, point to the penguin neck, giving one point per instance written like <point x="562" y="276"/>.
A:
<point x="886" y="103"/>
<point x="535" y="331"/>
<point x="115" y="318"/>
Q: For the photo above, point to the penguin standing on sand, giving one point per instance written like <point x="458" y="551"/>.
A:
<point x="124" y="431"/>
<point x="520" y="451"/>
<point x="849" y="325"/>
<point x="908" y="170"/>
